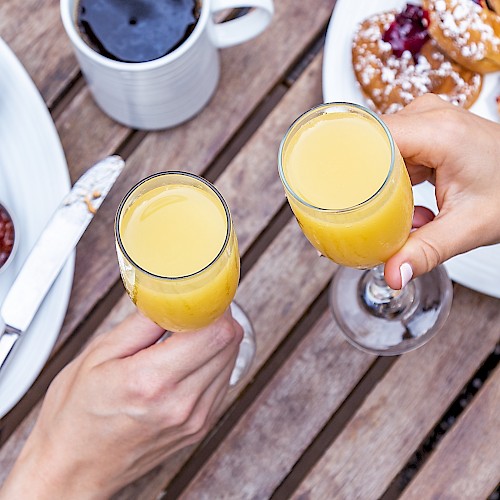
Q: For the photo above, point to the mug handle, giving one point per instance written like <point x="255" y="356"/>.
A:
<point x="243" y="28"/>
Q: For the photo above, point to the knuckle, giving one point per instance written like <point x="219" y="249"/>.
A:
<point x="144" y="387"/>
<point x="423" y="102"/>
<point x="429" y="98"/>
<point x="431" y="254"/>
<point x="180" y="413"/>
<point x="238" y="332"/>
<point x="226" y="334"/>
<point x="194" y="438"/>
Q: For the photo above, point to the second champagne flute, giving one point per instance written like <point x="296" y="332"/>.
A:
<point x="348" y="187"/>
<point x="178" y="256"/>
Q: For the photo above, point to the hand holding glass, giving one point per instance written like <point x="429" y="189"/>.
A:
<point x="178" y="256"/>
<point x="348" y="187"/>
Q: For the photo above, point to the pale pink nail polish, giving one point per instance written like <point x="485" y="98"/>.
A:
<point x="406" y="273"/>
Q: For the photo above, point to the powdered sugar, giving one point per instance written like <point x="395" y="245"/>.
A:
<point x="392" y="82"/>
<point x="465" y="24"/>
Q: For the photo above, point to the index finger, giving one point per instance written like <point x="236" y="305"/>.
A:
<point x="426" y="128"/>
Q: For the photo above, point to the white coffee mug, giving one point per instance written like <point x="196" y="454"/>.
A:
<point x="167" y="91"/>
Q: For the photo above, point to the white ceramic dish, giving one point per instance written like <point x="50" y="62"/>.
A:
<point x="33" y="180"/>
<point x="478" y="269"/>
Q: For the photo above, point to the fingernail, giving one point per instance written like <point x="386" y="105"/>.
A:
<point x="406" y="273"/>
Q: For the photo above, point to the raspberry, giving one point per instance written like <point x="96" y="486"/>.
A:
<point x="408" y="31"/>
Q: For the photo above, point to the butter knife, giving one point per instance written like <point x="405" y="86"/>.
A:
<point x="52" y="249"/>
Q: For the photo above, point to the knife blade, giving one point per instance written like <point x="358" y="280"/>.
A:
<point x="53" y="247"/>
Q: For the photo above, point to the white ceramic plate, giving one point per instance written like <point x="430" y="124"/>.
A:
<point x="33" y="180"/>
<point x="478" y="269"/>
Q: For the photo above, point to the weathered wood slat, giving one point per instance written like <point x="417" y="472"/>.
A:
<point x="86" y="133"/>
<point x="466" y="464"/>
<point x="250" y="184"/>
<point x="287" y="416"/>
<point x="406" y="405"/>
<point x="34" y="31"/>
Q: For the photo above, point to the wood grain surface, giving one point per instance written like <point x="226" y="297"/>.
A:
<point x="315" y="418"/>
<point x="466" y="463"/>
<point x="404" y="407"/>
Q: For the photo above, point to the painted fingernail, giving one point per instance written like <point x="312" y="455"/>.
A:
<point x="406" y="273"/>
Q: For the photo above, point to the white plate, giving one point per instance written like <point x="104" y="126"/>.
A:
<point x="33" y="179"/>
<point x="477" y="269"/>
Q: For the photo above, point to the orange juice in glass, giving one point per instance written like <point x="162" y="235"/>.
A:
<point x="178" y="254"/>
<point x="359" y="238"/>
<point x="349" y="189"/>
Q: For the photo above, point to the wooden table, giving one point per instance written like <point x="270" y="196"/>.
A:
<point x="317" y="418"/>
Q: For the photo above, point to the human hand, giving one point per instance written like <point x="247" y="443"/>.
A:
<point x="459" y="152"/>
<point x="124" y="405"/>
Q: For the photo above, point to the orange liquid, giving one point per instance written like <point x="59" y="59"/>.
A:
<point x="176" y="232"/>
<point x="339" y="163"/>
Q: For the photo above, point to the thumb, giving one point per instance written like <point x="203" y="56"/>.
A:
<point x="428" y="246"/>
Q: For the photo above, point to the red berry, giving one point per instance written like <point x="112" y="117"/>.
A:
<point x="408" y="31"/>
<point x="7" y="235"/>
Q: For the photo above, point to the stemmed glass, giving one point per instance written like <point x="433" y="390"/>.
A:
<point x="178" y="256"/>
<point x="349" y="189"/>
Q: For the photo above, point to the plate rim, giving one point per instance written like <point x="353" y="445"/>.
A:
<point x="14" y="392"/>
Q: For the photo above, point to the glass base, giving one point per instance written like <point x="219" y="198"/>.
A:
<point x="409" y="320"/>
<point x="248" y="346"/>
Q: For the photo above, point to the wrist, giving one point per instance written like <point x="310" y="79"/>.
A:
<point x="40" y="473"/>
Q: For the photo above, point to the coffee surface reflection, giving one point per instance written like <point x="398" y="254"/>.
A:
<point x="136" y="30"/>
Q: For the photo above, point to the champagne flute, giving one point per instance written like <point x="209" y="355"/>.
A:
<point x="349" y="189"/>
<point x="178" y="256"/>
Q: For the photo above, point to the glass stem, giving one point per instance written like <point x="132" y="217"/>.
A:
<point x="380" y="299"/>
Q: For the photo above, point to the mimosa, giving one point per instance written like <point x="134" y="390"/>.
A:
<point x="334" y="165"/>
<point x="348" y="187"/>
<point x="174" y="230"/>
<point x="180" y="236"/>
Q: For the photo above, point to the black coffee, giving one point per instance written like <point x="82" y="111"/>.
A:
<point x="136" y="30"/>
